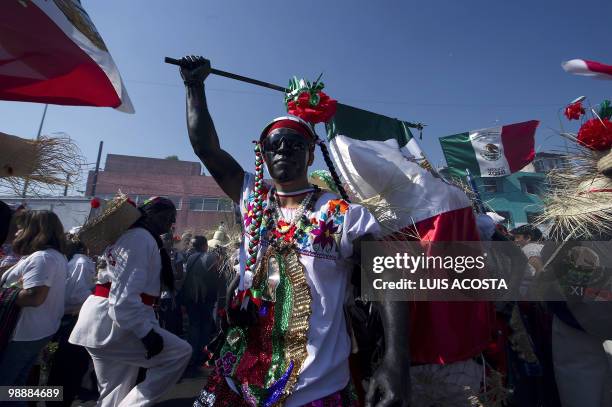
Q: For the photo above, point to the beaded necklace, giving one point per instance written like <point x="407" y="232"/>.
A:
<point x="296" y="216"/>
<point x="271" y="219"/>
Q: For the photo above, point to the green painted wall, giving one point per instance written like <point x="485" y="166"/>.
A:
<point x="512" y="195"/>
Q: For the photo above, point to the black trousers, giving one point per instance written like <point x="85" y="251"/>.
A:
<point x="69" y="365"/>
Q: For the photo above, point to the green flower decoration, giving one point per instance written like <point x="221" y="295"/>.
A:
<point x="605" y="109"/>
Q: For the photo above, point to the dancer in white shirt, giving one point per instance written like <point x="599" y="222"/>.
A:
<point x="288" y="343"/>
<point x="117" y="324"/>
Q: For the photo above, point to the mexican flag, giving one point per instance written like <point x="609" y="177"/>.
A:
<point x="50" y="52"/>
<point x="492" y="152"/>
<point x="378" y="158"/>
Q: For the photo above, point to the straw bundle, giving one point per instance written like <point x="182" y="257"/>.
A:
<point x="103" y="230"/>
<point x="45" y="161"/>
<point x="579" y="202"/>
<point x="446" y="386"/>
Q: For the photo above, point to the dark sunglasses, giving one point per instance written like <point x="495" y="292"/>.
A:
<point x="278" y="141"/>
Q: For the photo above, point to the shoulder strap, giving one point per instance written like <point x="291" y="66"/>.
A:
<point x="203" y="259"/>
<point x="193" y="260"/>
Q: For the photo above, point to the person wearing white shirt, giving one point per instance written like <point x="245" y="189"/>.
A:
<point x="527" y="237"/>
<point x="40" y="275"/>
<point x="117" y="325"/>
<point x="80" y="283"/>
<point x="70" y="362"/>
<point x="305" y="240"/>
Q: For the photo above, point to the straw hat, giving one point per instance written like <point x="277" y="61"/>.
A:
<point x="19" y="156"/>
<point x="599" y="184"/>
<point x="580" y="200"/>
<point x="604" y="164"/>
<point x="46" y="159"/>
<point x="109" y="224"/>
<point x="220" y="238"/>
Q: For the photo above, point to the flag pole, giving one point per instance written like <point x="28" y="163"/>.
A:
<point x="479" y="205"/>
<point x="177" y="62"/>
<point x="42" y="120"/>
<point x="173" y="61"/>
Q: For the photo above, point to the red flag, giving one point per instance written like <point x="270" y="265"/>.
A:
<point x="50" y="52"/>
<point x="588" y="68"/>
<point x="375" y="155"/>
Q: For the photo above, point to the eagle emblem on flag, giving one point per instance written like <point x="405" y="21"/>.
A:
<point x="491" y="152"/>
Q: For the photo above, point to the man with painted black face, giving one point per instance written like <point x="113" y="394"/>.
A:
<point x="293" y="347"/>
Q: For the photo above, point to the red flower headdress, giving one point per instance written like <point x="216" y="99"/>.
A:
<point x="308" y="101"/>
<point x="596" y="133"/>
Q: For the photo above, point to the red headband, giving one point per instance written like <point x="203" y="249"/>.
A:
<point x="290" y="124"/>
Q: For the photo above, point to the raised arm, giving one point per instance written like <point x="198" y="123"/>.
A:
<point x="202" y="134"/>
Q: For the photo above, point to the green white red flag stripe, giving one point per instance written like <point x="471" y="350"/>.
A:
<point x="50" y="52"/>
<point x="491" y="152"/>
<point x="585" y="67"/>
<point x="375" y="156"/>
<point x="372" y="154"/>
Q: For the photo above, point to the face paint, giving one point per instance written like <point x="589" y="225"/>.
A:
<point x="286" y="153"/>
<point x="163" y="221"/>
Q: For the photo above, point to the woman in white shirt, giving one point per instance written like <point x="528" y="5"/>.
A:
<point x="41" y="276"/>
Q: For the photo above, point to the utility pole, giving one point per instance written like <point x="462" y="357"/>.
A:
<point x="66" y="186"/>
<point x="25" y="184"/>
<point x="94" y="182"/>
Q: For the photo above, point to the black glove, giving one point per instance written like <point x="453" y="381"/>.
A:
<point x="194" y="69"/>
<point x="153" y="343"/>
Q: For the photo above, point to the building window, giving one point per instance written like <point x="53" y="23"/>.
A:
<point x="211" y="204"/>
<point x="491" y="185"/>
<point x="195" y="203"/>
<point x="531" y="186"/>
<point x="226" y="205"/>
<point x="532" y="217"/>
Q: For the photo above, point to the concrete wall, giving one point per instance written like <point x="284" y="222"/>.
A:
<point x="71" y="211"/>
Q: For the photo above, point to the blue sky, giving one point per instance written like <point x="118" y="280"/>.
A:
<point x="453" y="65"/>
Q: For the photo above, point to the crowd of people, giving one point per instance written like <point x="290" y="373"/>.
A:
<point x="59" y="282"/>
<point x="280" y="322"/>
<point x="55" y="281"/>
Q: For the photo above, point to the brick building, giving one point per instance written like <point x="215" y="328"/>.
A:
<point x="201" y="204"/>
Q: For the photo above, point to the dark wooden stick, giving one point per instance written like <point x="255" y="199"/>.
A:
<point x="173" y="61"/>
<point x="230" y="75"/>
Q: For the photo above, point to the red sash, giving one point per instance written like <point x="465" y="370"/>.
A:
<point x="102" y="290"/>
